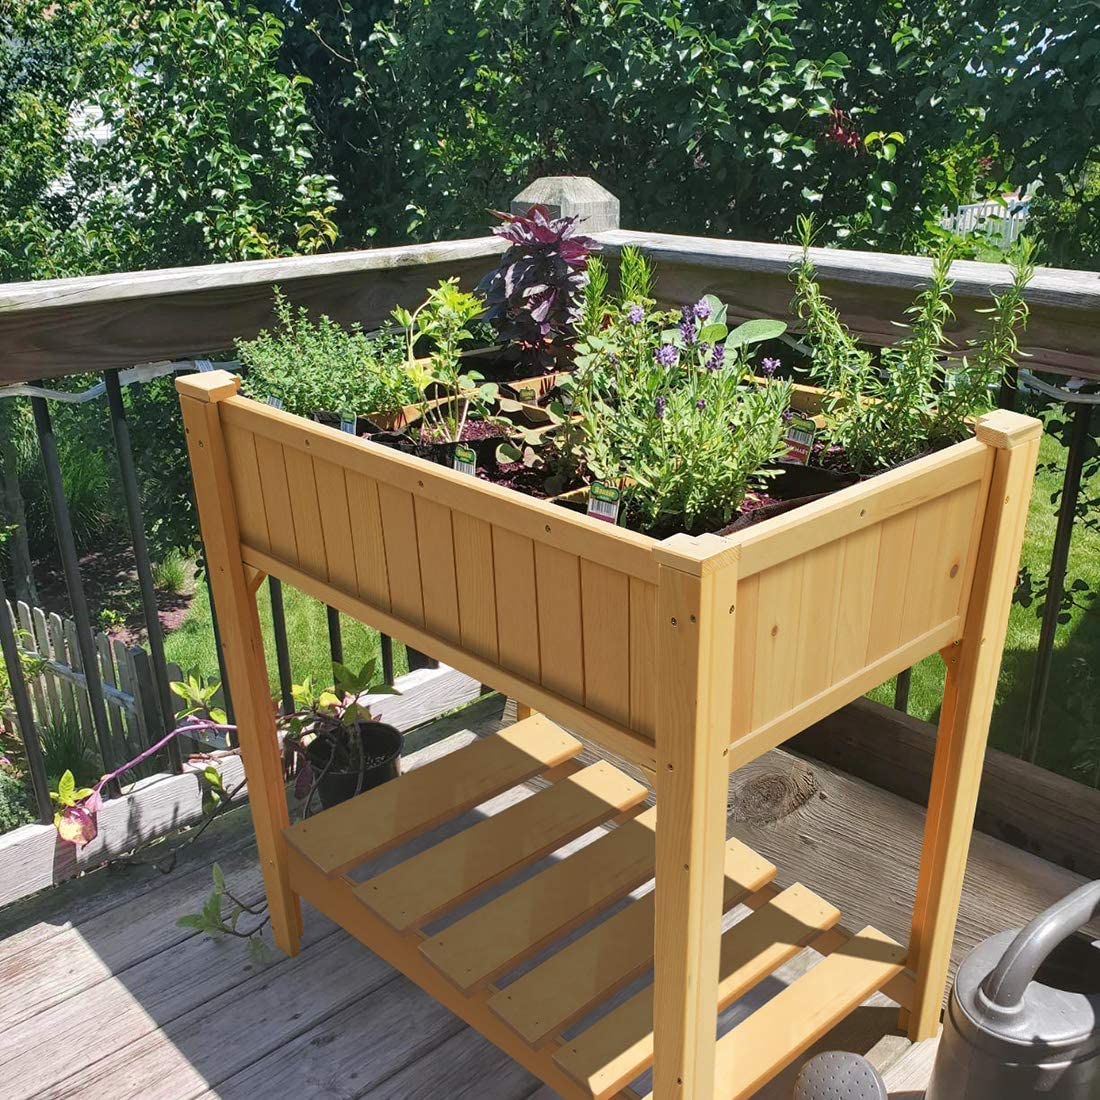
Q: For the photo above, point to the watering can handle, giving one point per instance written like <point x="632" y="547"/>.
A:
<point x="1008" y="981"/>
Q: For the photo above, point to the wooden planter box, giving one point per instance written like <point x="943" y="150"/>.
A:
<point x="689" y="657"/>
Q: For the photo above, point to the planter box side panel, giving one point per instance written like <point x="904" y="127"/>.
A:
<point x="878" y="579"/>
<point x="511" y="590"/>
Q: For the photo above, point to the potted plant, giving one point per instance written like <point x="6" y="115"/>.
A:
<point x="339" y="748"/>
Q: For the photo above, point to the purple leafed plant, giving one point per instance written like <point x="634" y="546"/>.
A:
<point x="534" y="295"/>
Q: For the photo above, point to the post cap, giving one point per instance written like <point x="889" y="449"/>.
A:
<point x="211" y="385"/>
<point x="571" y="196"/>
<point x="1004" y="429"/>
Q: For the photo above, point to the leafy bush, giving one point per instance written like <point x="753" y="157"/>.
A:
<point x="67" y="748"/>
<point x="319" y="366"/>
<point x="171" y="572"/>
<point x="533" y="296"/>
<point x="16" y="804"/>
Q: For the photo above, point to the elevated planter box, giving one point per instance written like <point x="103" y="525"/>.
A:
<point x="689" y="657"/>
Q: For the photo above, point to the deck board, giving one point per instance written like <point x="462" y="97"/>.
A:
<point x="98" y="970"/>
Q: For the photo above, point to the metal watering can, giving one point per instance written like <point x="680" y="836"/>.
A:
<point x="1024" y="1016"/>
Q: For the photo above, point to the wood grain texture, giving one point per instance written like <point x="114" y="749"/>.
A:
<point x="605" y="612"/>
<point x="561" y="632"/>
<point x="365" y="516"/>
<point x="305" y="513"/>
<point x="517" y="603"/>
<point x="397" y="515"/>
<point x="436" y="551"/>
<point x="275" y="492"/>
<point x="474" y="578"/>
<point x="643" y="657"/>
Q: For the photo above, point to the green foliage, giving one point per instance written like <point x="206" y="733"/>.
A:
<point x="171" y="573"/>
<point x="68" y="750"/>
<point x="16" y="804"/>
<point x="198" y="695"/>
<point x="319" y="366"/>
<point x="221" y="916"/>
<point x="1067" y="226"/>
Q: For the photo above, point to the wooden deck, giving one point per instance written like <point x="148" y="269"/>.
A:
<point x="102" y="993"/>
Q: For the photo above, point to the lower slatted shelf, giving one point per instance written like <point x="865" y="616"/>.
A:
<point x="515" y="966"/>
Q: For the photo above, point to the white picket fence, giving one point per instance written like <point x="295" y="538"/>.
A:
<point x="59" y="691"/>
<point x="1000" y="222"/>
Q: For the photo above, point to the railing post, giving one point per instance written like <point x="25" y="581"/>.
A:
<point x="973" y="664"/>
<point x="71" y="565"/>
<point x="696" y="596"/>
<point x="132" y="495"/>
<point x="200" y="395"/>
<point x="571" y="196"/>
<point x="282" y="644"/>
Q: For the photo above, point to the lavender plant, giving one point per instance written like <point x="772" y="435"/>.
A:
<point x="534" y="296"/>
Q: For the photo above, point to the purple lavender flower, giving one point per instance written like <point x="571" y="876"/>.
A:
<point x="701" y="404"/>
<point x="660" y="406"/>
<point x="704" y="350"/>
<point x="701" y="309"/>
<point x="5" y="762"/>
<point x="667" y="355"/>
<point x="687" y="332"/>
<point x="635" y="315"/>
<point x="717" y="357"/>
<point x="769" y="366"/>
<point x="788" y="414"/>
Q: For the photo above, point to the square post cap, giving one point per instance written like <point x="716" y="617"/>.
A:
<point x="571" y="196"/>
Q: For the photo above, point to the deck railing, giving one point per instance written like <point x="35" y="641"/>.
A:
<point x="56" y="328"/>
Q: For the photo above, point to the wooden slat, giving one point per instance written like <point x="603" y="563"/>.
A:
<point x="822" y="596"/>
<point x="519" y="923"/>
<point x="244" y="472"/>
<point x="276" y="498"/>
<point x="133" y="719"/>
<point x="378" y="819"/>
<point x="605" y="611"/>
<point x="754" y="1051"/>
<point x="744" y="668"/>
<point x="955" y="555"/>
<point x="435" y="544"/>
<point x="619" y="1046"/>
<point x="448" y="873"/>
<point x="366" y="532"/>
<point x="930" y="534"/>
<point x="305" y="510"/>
<point x="340" y="548"/>
<point x="778" y="616"/>
<point x="25" y="626"/>
<point x="517" y="603"/>
<point x="42" y="640"/>
<point x="76" y="662"/>
<point x="561" y="641"/>
<point x="891" y="583"/>
<point x="402" y="555"/>
<point x="643" y="657"/>
<point x="107" y="674"/>
<point x="477" y="596"/>
<point x="587" y="971"/>
<point x="858" y="570"/>
<point x="57" y="644"/>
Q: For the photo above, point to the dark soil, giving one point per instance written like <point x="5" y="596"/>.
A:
<point x="109" y="576"/>
<point x="514" y="475"/>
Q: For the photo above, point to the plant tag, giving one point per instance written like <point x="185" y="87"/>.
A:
<point x="275" y="402"/>
<point x="603" y="502"/>
<point x="347" y="422"/>
<point x="800" y="441"/>
<point x="465" y="460"/>
<point x="204" y="365"/>
<point x="527" y="394"/>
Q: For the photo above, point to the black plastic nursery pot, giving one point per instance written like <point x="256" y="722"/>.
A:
<point x="382" y="746"/>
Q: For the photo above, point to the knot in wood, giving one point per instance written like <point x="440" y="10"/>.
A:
<point x="769" y="796"/>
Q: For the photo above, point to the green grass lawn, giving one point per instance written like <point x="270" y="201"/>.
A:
<point x="192" y="645"/>
<point x="1071" y="714"/>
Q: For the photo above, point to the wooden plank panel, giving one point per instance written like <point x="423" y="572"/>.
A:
<point x="776" y="647"/>
<point x="378" y="819"/>
<point x="474" y="577"/>
<point x="448" y="873"/>
<point x="42" y="644"/>
<point x="643" y="657"/>
<point x="754" y="1051"/>
<point x="856" y="581"/>
<point x="929" y="533"/>
<point x="821" y="595"/>
<point x="605" y="613"/>
<point x="372" y="574"/>
<point x="894" y="551"/>
<point x="587" y="971"/>
<point x="561" y="640"/>
<point x="244" y="472"/>
<point x="107" y="674"/>
<point x="435" y="543"/>
<point x="744" y="666"/>
<point x="305" y="511"/>
<point x="133" y="719"/>
<point x="276" y="498"/>
<point x="954" y="560"/>
<point x="517" y="603"/>
<point x="519" y="923"/>
<point x="619" y="1046"/>
<point x="57" y="645"/>
<point x="76" y="662"/>
<point x="402" y="554"/>
<point x="336" y="512"/>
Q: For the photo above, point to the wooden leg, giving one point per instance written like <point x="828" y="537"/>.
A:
<point x="973" y="665"/>
<point x="523" y="711"/>
<point x="244" y="655"/>
<point x="694" y="712"/>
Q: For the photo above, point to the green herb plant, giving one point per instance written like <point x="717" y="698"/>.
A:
<point x="444" y="319"/>
<point x="319" y="366"/>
